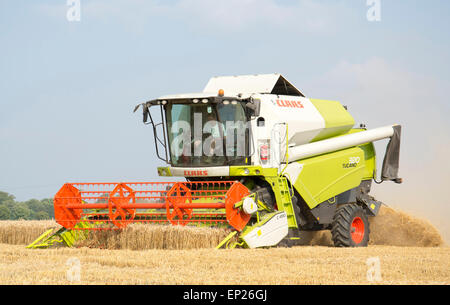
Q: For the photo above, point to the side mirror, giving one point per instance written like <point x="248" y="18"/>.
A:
<point x="145" y="111"/>
<point x="254" y="105"/>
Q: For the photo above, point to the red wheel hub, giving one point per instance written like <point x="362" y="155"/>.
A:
<point x="357" y="230"/>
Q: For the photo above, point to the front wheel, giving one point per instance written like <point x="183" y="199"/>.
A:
<point x="350" y="227"/>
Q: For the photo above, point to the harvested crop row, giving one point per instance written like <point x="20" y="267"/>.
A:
<point x="150" y="236"/>
<point x="134" y="237"/>
<point x="277" y="266"/>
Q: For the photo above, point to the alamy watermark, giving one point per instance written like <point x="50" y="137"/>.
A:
<point x="374" y="11"/>
<point x="211" y="139"/>
<point x="73" y="274"/>
<point x="374" y="269"/>
<point x="74" y="11"/>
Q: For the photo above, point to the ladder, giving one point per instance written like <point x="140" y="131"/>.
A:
<point x="283" y="198"/>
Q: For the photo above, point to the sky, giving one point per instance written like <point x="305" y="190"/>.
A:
<point x="68" y="88"/>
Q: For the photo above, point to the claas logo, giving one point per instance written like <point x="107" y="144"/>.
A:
<point x="291" y="104"/>
<point x="196" y="173"/>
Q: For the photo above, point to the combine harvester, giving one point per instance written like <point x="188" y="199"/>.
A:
<point x="257" y="156"/>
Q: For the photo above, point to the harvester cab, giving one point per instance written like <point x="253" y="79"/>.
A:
<point x="258" y="157"/>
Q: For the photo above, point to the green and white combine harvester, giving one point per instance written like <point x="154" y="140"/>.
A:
<point x="258" y="157"/>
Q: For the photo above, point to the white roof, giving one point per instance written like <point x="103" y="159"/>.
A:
<point x="248" y="84"/>
<point x="196" y="95"/>
<point x="185" y="96"/>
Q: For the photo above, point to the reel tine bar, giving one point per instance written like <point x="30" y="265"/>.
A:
<point x="115" y="205"/>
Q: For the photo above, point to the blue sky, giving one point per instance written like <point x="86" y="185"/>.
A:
<point x="67" y="89"/>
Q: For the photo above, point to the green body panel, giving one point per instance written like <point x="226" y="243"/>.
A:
<point x="370" y="161"/>
<point x="338" y="120"/>
<point x="369" y="156"/>
<point x="253" y="171"/>
<point x="325" y="176"/>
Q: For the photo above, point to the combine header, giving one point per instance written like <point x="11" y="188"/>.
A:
<point x="115" y="205"/>
<point x="257" y="156"/>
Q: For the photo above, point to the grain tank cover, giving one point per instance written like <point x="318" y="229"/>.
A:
<point x="309" y="120"/>
<point x="250" y="84"/>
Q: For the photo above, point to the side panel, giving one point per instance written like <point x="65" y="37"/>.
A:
<point x="370" y="160"/>
<point x="300" y="115"/>
<point x="320" y="178"/>
<point x="337" y="119"/>
<point x="369" y="156"/>
<point x="308" y="120"/>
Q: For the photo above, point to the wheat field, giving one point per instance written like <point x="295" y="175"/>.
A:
<point x="297" y="265"/>
<point x="409" y="251"/>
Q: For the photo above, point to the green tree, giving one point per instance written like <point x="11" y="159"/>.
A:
<point x="30" y="209"/>
<point x="5" y="197"/>
<point x="10" y="203"/>
<point x="35" y="205"/>
<point x="5" y="212"/>
<point x="21" y="211"/>
<point x="47" y="206"/>
<point x="41" y="215"/>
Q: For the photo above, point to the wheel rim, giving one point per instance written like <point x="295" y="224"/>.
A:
<point x="357" y="230"/>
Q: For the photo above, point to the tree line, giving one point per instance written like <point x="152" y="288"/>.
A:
<point x="32" y="209"/>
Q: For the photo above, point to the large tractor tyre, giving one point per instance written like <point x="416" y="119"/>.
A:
<point x="350" y="227"/>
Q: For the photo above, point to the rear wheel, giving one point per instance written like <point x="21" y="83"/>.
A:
<point x="350" y="227"/>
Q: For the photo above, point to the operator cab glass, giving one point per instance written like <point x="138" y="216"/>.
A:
<point x="206" y="134"/>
